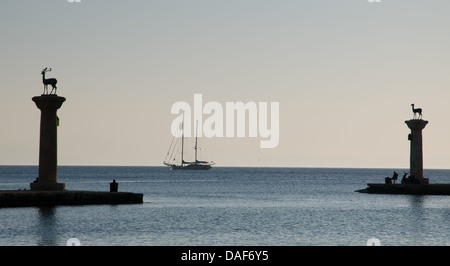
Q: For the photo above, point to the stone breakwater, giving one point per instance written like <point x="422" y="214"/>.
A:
<point x="412" y="189"/>
<point x="26" y="198"/>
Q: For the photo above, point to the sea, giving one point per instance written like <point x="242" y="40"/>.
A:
<point x="229" y="206"/>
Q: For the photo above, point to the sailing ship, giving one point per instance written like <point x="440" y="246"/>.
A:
<point x="186" y="165"/>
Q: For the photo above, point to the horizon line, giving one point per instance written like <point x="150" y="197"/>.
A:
<point x="232" y="166"/>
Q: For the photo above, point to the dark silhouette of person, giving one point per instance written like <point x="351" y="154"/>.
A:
<point x="404" y="179"/>
<point x="395" y="176"/>
<point x="113" y="186"/>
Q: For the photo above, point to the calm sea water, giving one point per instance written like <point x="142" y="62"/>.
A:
<point x="229" y="206"/>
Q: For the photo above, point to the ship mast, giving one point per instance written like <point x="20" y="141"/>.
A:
<point x="196" y="135"/>
<point x="182" y="141"/>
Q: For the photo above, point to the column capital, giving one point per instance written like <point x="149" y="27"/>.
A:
<point x="416" y="124"/>
<point x="52" y="102"/>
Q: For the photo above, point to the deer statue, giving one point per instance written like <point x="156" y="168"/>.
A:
<point x="418" y="110"/>
<point x="46" y="82"/>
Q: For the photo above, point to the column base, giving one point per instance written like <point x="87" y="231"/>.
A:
<point x="47" y="186"/>
<point x="424" y="181"/>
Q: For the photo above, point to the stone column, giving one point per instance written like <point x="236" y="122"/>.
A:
<point x="48" y="173"/>
<point x="416" y="156"/>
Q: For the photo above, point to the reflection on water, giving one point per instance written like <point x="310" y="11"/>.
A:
<point x="417" y="201"/>
<point x="46" y="227"/>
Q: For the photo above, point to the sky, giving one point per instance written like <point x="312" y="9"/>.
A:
<point x="344" y="72"/>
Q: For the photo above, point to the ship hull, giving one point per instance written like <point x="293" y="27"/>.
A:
<point x="191" y="167"/>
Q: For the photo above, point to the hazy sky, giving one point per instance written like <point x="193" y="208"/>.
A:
<point x="344" y="72"/>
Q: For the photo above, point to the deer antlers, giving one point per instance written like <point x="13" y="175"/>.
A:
<point x="45" y="70"/>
